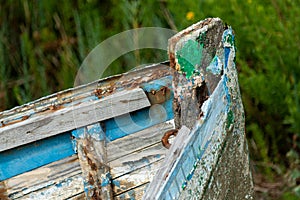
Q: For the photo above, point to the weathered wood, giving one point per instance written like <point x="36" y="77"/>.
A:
<point x="231" y="166"/>
<point x="31" y="156"/>
<point x="120" y="122"/>
<point x="214" y="156"/>
<point x="88" y="92"/>
<point x="136" y="178"/>
<point x="63" y="190"/>
<point x="93" y="160"/>
<point x="63" y="120"/>
<point x="141" y="119"/>
<point x="160" y="178"/>
<point x="80" y="196"/>
<point x="136" y="142"/>
<point x="137" y="160"/>
<point x="59" y="179"/>
<point x="136" y="193"/>
<point x="191" y="51"/>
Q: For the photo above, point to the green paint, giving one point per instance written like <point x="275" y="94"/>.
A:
<point x="189" y="57"/>
<point x="230" y="119"/>
<point x="229" y="39"/>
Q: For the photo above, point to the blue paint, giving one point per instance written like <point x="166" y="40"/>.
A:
<point x="87" y="187"/>
<point x="31" y="156"/>
<point x="131" y="194"/>
<point x="78" y="133"/>
<point x="96" y="132"/>
<point x="157" y="84"/>
<point x="136" y="121"/>
<point x="228" y="43"/>
<point x="215" y="66"/>
<point x="174" y="190"/>
<point x="106" y="180"/>
<point x="226" y="56"/>
<point x="193" y="152"/>
<point x="116" y="183"/>
<point x="157" y="156"/>
<point x="227" y="92"/>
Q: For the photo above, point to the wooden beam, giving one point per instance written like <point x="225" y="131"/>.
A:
<point x="66" y="119"/>
<point x="93" y="161"/>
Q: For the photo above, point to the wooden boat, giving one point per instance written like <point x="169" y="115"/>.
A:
<point x="112" y="139"/>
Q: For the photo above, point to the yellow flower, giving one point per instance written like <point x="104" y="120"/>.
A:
<point x="190" y="15"/>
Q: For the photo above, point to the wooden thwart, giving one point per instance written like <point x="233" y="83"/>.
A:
<point x="71" y="118"/>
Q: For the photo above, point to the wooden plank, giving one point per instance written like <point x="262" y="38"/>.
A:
<point x="137" y="141"/>
<point x="47" y="182"/>
<point x="89" y="92"/>
<point x="136" y="160"/>
<point x="136" y="178"/>
<point x="62" y="120"/>
<point x="93" y="161"/>
<point x="159" y="112"/>
<point x="31" y="156"/>
<point x="80" y="196"/>
<point x="161" y="177"/>
<point x="63" y="190"/>
<point x="133" y="194"/>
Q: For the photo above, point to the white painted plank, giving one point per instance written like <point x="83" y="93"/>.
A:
<point x="69" y="118"/>
<point x="65" y="189"/>
<point x="136" y="193"/>
<point x="137" y="160"/>
<point x="137" y="141"/>
<point x="58" y="175"/>
<point x="136" y="178"/>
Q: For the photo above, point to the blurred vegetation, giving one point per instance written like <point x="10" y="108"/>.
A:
<point x="43" y="43"/>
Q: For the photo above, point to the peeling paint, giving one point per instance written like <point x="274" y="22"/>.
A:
<point x="27" y="157"/>
<point x="215" y="66"/>
<point x="189" y="58"/>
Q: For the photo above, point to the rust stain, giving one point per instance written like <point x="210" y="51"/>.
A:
<point x="167" y="135"/>
<point x="3" y="192"/>
<point x="25" y="117"/>
<point x="91" y="179"/>
<point x="55" y="107"/>
<point x="103" y="91"/>
<point x="159" y="96"/>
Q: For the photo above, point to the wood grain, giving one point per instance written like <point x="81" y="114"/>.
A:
<point x="61" y="178"/>
<point x="70" y="118"/>
<point x="137" y="141"/>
